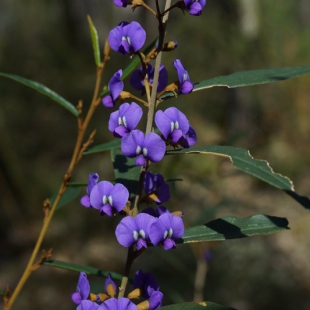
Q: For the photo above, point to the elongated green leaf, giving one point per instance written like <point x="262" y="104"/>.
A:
<point x="44" y="91"/>
<point x="95" y="40"/>
<point x="79" y="268"/>
<point x="196" y="306"/>
<point x="253" y="77"/>
<point x="114" y="144"/>
<point x="233" y="227"/>
<point x="242" y="160"/>
<point x="125" y="171"/>
<point x="71" y="193"/>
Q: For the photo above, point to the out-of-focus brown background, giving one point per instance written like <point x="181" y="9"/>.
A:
<point x="48" y="41"/>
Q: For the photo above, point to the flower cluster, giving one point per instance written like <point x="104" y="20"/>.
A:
<point x="145" y="286"/>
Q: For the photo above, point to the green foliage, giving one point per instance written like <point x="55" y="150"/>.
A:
<point x="114" y="144"/>
<point x="44" y="91"/>
<point x="233" y="227"/>
<point x="95" y="40"/>
<point x="71" y="193"/>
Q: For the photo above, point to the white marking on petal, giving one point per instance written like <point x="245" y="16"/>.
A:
<point x="110" y="200"/>
<point x="144" y="152"/>
<point x="138" y="150"/>
<point x="124" y="121"/>
<point x="135" y="235"/>
<point x="170" y="233"/>
<point x="176" y="125"/>
<point x="184" y="77"/>
<point x="165" y="234"/>
<point x="119" y="121"/>
<point x="104" y="199"/>
<point x="142" y="233"/>
<point x="171" y="126"/>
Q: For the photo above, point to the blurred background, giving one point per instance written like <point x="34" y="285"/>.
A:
<point x="49" y="42"/>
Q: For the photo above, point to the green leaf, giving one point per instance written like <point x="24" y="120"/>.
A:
<point x="196" y="306"/>
<point x="233" y="227"/>
<point x="114" y="144"/>
<point x="2" y="293"/>
<point x="253" y="77"/>
<point x="95" y="41"/>
<point x="242" y="160"/>
<point x="79" y="268"/>
<point x="125" y="171"/>
<point x="44" y="91"/>
<point x="71" y="193"/>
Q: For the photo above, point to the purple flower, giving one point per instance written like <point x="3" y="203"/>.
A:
<point x="127" y="38"/>
<point x="116" y="86"/>
<point x="157" y="212"/>
<point x="137" y="77"/>
<point x="118" y="304"/>
<point x="186" y="86"/>
<point x="82" y="289"/>
<point x="87" y="305"/>
<point x="156" y="188"/>
<point x="92" y="181"/>
<point x="108" y="197"/>
<point x="166" y="230"/>
<point x="122" y="3"/>
<point x="195" y="6"/>
<point x="175" y="127"/>
<point x="189" y="139"/>
<point x="151" y="147"/>
<point x="125" y="119"/>
<point x="134" y="230"/>
<point x="110" y="286"/>
<point x="146" y="283"/>
<point x="155" y="300"/>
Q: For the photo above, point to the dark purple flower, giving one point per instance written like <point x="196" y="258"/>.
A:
<point x="195" y="6"/>
<point x="92" y="181"/>
<point x="127" y="38"/>
<point x="156" y="188"/>
<point x="151" y="147"/>
<point x="116" y="86"/>
<point x="82" y="289"/>
<point x="146" y="283"/>
<point x="156" y="212"/>
<point x="122" y="3"/>
<point x="172" y="123"/>
<point x="137" y="78"/>
<point x="118" y="304"/>
<point x="186" y="86"/>
<point x="87" y="305"/>
<point x="134" y="230"/>
<point x="108" y="197"/>
<point x="189" y="139"/>
<point x="166" y="230"/>
<point x="125" y="119"/>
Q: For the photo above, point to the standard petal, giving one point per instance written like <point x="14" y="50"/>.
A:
<point x="124" y="231"/>
<point x="131" y="142"/>
<point x="116" y="85"/>
<point x="120" y="196"/>
<point x="110" y="304"/>
<point x="115" y="37"/>
<point x="97" y="193"/>
<point x="163" y="123"/>
<point x="143" y="222"/>
<point x="155" y="146"/>
<point x="137" y="35"/>
<point x="133" y="116"/>
<point x="87" y="305"/>
<point x="156" y="232"/>
<point x="175" y="115"/>
<point x="113" y="121"/>
<point x="175" y="222"/>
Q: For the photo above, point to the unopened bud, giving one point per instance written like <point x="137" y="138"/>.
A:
<point x="170" y="46"/>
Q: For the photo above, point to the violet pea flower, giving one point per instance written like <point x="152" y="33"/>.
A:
<point x="137" y="82"/>
<point x="195" y="7"/>
<point x="122" y="3"/>
<point x="87" y="305"/>
<point x="156" y="188"/>
<point x="186" y="86"/>
<point x="146" y="283"/>
<point x="189" y="139"/>
<point x="155" y="212"/>
<point x="108" y="197"/>
<point x="166" y="230"/>
<point x="116" y="86"/>
<point x="125" y="119"/>
<point x="92" y="181"/>
<point x="132" y="230"/>
<point x="82" y="289"/>
<point x="155" y="300"/>
<point x="151" y="147"/>
<point x="127" y="38"/>
<point x="117" y="304"/>
<point x="172" y="123"/>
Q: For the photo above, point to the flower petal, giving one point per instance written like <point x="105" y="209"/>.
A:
<point x="155" y="146"/>
<point x="120" y="196"/>
<point x="124" y="231"/>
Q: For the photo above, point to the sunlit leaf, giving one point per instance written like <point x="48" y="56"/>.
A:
<point x="108" y="146"/>
<point x="44" y="91"/>
<point x="233" y="227"/>
<point x="196" y="306"/>
<point x="82" y="268"/>
<point x="125" y="171"/>
<point x="95" y="40"/>
<point x="70" y="194"/>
